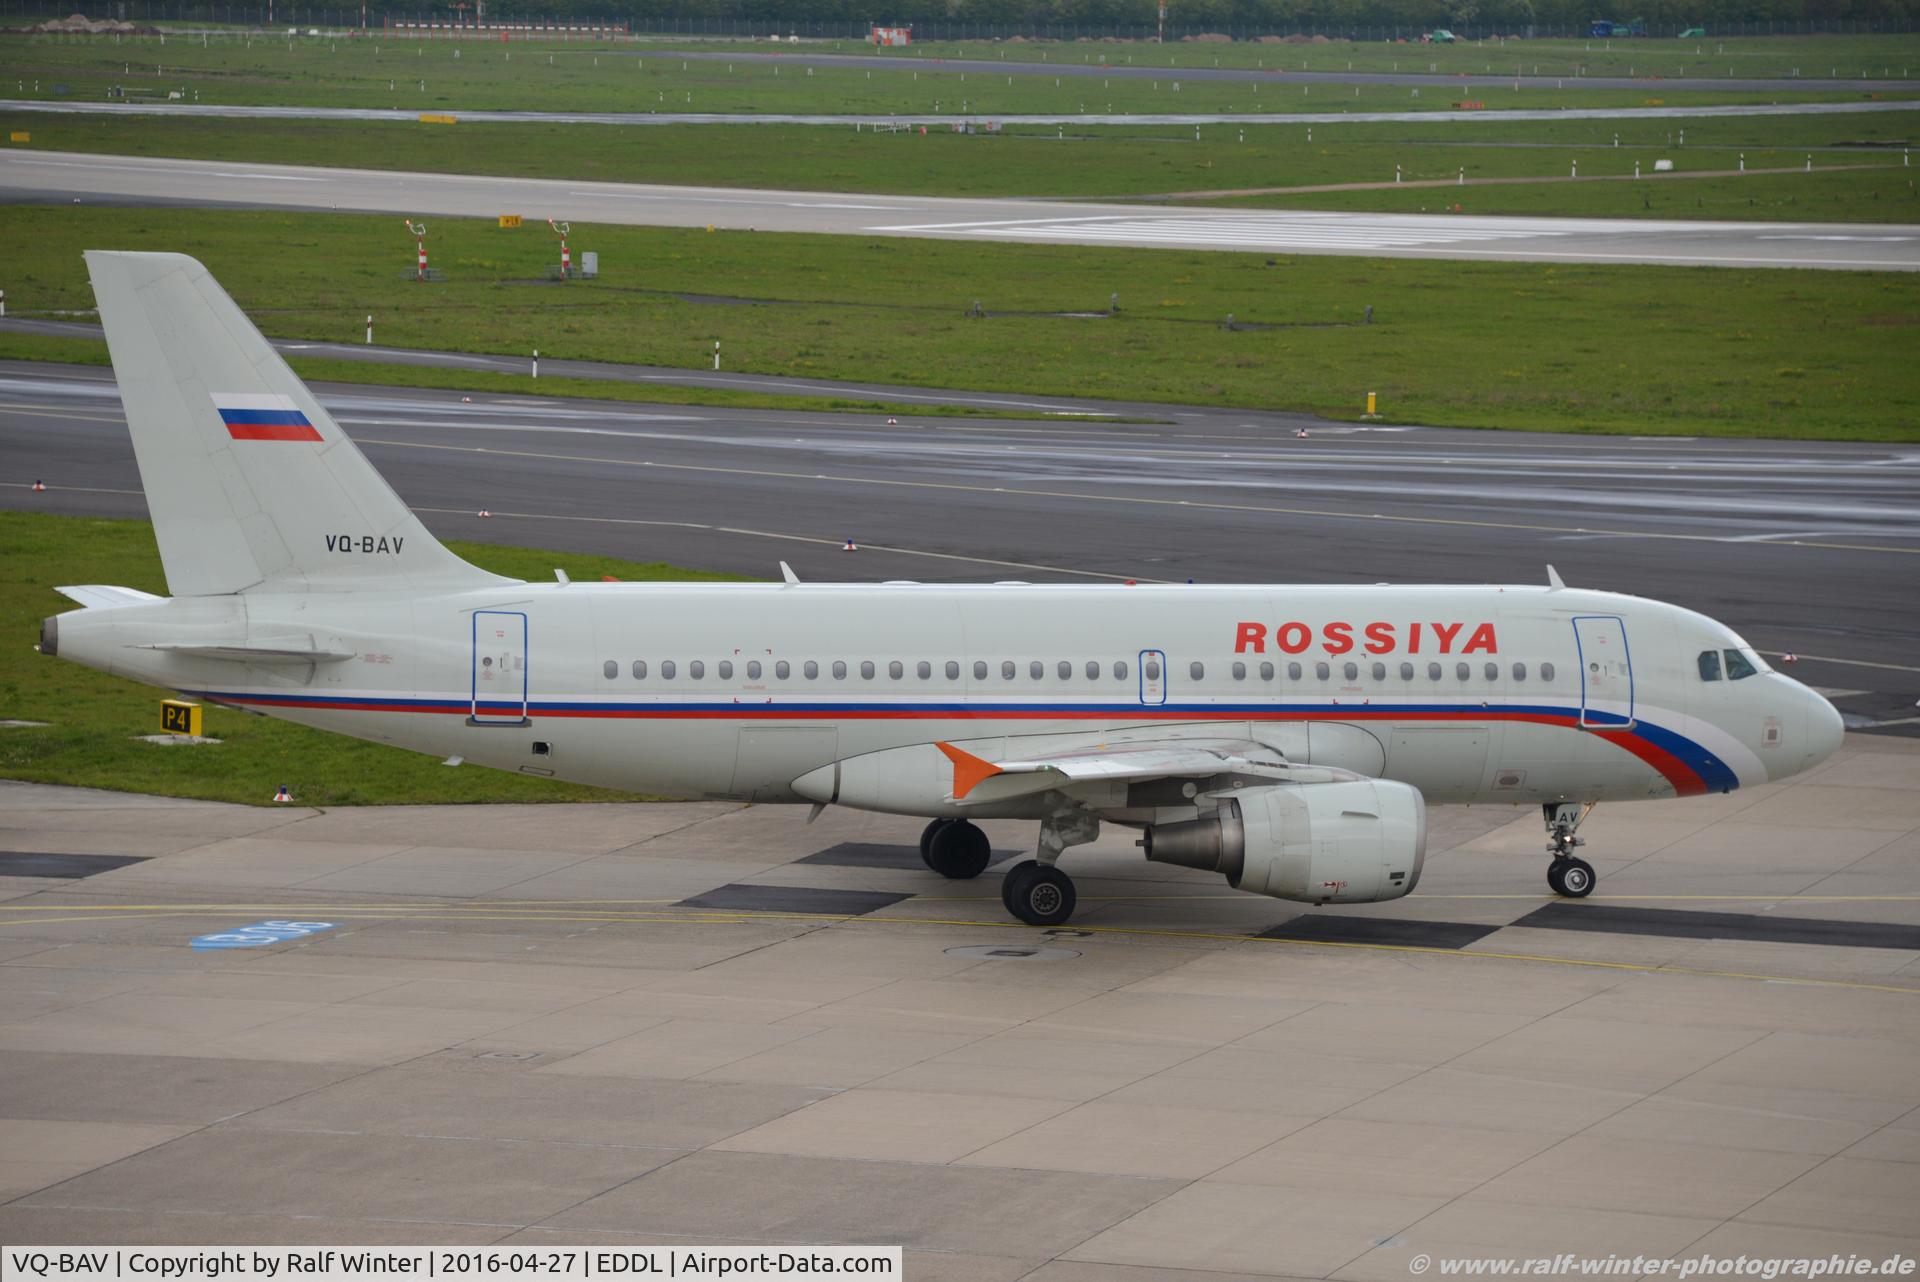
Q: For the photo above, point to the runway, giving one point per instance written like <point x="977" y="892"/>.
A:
<point x="1801" y="546"/>
<point x="66" y="175"/>
<point x="707" y="1023"/>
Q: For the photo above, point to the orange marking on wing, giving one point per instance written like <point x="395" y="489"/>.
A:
<point x="968" y="770"/>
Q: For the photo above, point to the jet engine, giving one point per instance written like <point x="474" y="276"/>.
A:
<point x="1353" y="842"/>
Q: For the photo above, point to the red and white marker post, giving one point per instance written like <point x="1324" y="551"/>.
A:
<point x="566" y="259"/>
<point x="419" y="231"/>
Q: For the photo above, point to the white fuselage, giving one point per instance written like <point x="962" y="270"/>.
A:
<point x="774" y="692"/>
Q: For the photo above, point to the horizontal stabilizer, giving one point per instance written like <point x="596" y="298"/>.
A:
<point x="102" y="596"/>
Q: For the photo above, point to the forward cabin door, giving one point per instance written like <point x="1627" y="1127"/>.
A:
<point x="1606" y="672"/>
<point x="499" y="668"/>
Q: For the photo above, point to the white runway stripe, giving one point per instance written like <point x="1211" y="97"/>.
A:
<point x="1266" y="231"/>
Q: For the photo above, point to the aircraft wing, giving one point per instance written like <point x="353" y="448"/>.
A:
<point x="979" y="781"/>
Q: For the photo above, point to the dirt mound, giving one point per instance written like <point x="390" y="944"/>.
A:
<point x="1207" y="38"/>
<point x="79" y="24"/>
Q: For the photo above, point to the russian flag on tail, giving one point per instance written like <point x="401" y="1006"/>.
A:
<point x="259" y="416"/>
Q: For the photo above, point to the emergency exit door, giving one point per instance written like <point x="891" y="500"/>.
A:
<point x="499" y="668"/>
<point x="1153" y="677"/>
<point x="1606" y="672"/>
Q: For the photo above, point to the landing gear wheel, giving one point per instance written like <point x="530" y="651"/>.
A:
<point x="926" y="840"/>
<point x="1571" y="877"/>
<point x="958" y="849"/>
<point x="1038" y="894"/>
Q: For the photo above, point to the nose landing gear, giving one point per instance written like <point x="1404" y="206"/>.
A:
<point x="1566" y="874"/>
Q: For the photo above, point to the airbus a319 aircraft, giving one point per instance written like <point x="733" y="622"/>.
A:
<point x="1286" y="737"/>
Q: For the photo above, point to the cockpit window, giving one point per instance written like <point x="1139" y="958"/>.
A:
<point x="1738" y="666"/>
<point x="1709" y="665"/>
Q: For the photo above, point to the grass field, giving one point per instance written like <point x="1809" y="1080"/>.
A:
<point x="93" y="719"/>
<point x="1577" y="348"/>
<point x="90" y="351"/>
<point x="435" y="76"/>
<point x="1858" y="165"/>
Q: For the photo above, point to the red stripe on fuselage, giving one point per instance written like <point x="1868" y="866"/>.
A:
<point x="1686" y="781"/>
<point x="273" y="432"/>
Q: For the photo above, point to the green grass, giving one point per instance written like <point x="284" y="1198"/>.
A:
<point x="437" y="76"/>
<point x="1628" y="349"/>
<point x="93" y="351"/>
<point x="1846" y="57"/>
<point x="1115" y="163"/>
<point x="93" y="719"/>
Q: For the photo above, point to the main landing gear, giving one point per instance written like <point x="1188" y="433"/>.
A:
<point x="1566" y="874"/>
<point x="1034" y="890"/>
<point x="955" y="848"/>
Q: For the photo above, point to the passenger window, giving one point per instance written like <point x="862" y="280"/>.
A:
<point x="1739" y="666"/>
<point x="1379" y="672"/>
<point x="782" y="670"/>
<point x="725" y="669"/>
<point x="979" y="669"/>
<point x="696" y="670"/>
<point x="666" y="669"/>
<point x="1239" y="671"/>
<point x="1519" y="672"/>
<point x="1351" y="671"/>
<point x="1463" y="671"/>
<point x="866" y="669"/>
<point x="1406" y="672"/>
<point x="1036" y="670"/>
<point x="1065" y="670"/>
<point x="1433" y="672"/>
<point x="1197" y="670"/>
<point x="923" y="670"/>
<point x="811" y="669"/>
<point x="1153" y="669"/>
<point x="753" y="669"/>
<point x="1546" y="672"/>
<point x="896" y="669"/>
<point x="1120" y="670"/>
<point x="639" y="669"/>
<point x="1493" y="672"/>
<point x="1006" y="670"/>
<point x="1266" y="672"/>
<point x="953" y="670"/>
<point x="839" y="669"/>
<point x="610" y="669"/>
<point x="1093" y="670"/>
<point x="1293" y="672"/>
<point x="1322" y="671"/>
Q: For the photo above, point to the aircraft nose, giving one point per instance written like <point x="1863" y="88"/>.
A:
<point x="1824" y="729"/>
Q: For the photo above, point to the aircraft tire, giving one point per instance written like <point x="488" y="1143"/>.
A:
<point x="926" y="840"/>
<point x="958" y="850"/>
<point x="1039" y="895"/>
<point x="1573" y="878"/>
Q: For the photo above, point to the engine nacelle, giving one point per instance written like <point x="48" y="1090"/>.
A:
<point x="1356" y="842"/>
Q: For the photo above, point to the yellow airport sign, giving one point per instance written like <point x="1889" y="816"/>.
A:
<point x="509" y="220"/>
<point x="436" y="118"/>
<point x="177" y="716"/>
<point x="20" y="135"/>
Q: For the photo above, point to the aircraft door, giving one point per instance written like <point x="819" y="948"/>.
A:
<point x="1153" y="677"/>
<point x="1606" y="672"/>
<point x="499" y="668"/>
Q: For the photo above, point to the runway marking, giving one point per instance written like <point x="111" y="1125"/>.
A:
<point x="1133" y="500"/>
<point x="476" y="912"/>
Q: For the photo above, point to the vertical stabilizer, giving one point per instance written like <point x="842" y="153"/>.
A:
<point x="250" y="482"/>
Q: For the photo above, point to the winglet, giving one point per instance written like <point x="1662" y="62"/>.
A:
<point x="786" y="573"/>
<point x="969" y="771"/>
<point x="1553" y="580"/>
